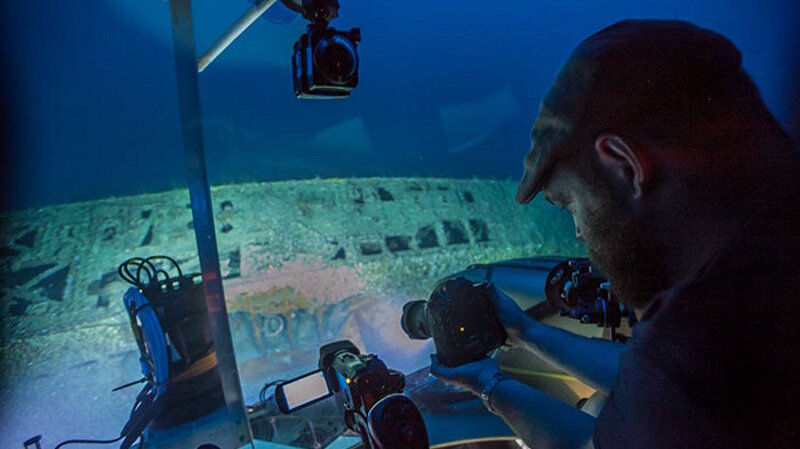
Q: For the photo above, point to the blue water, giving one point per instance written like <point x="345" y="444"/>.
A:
<point x="446" y="89"/>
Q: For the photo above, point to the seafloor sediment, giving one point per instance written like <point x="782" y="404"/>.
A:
<point x="304" y="262"/>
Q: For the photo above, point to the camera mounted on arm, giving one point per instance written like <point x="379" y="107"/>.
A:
<point x="576" y="289"/>
<point x="371" y="393"/>
<point x="325" y="61"/>
<point x="368" y="391"/>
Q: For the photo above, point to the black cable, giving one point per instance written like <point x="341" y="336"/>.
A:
<point x="64" y="443"/>
<point x="139" y="398"/>
<point x="125" y="273"/>
<point x="171" y="260"/>
<point x="147" y="267"/>
<point x="150" y="273"/>
<point x="167" y="278"/>
<point x="142" y="394"/>
<point x="136" y="261"/>
<point x="130" y="384"/>
<point x="149" y="408"/>
<point x="262" y="395"/>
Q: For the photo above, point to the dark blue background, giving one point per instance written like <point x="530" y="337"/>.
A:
<point x="90" y="104"/>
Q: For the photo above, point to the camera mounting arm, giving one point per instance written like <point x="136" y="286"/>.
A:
<point x="242" y="23"/>
<point x="325" y="11"/>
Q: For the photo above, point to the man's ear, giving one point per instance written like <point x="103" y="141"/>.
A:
<point x="619" y="158"/>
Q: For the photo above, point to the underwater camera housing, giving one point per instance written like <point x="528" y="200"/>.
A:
<point x="461" y="319"/>
<point x="578" y="291"/>
<point x="325" y="61"/>
<point x="371" y="394"/>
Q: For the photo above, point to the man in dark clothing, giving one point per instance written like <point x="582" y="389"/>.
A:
<point x="686" y="192"/>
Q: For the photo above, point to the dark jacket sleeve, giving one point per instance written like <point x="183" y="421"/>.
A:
<point x="647" y="409"/>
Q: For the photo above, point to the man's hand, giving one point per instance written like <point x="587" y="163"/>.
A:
<point x="594" y="361"/>
<point x="540" y="420"/>
<point x="513" y="319"/>
<point x="473" y="376"/>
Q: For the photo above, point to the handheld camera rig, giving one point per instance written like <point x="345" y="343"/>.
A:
<point x="460" y="318"/>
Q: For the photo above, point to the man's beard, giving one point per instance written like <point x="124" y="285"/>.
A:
<point x="618" y="244"/>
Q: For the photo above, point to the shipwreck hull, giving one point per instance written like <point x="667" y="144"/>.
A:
<point x="303" y="263"/>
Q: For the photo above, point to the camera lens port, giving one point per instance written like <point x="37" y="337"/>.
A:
<point x="415" y="320"/>
<point x="336" y="59"/>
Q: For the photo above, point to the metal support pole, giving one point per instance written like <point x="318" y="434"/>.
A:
<point x="202" y="213"/>
<point x="238" y="27"/>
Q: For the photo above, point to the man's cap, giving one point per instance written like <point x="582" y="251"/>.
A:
<point x="619" y="76"/>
